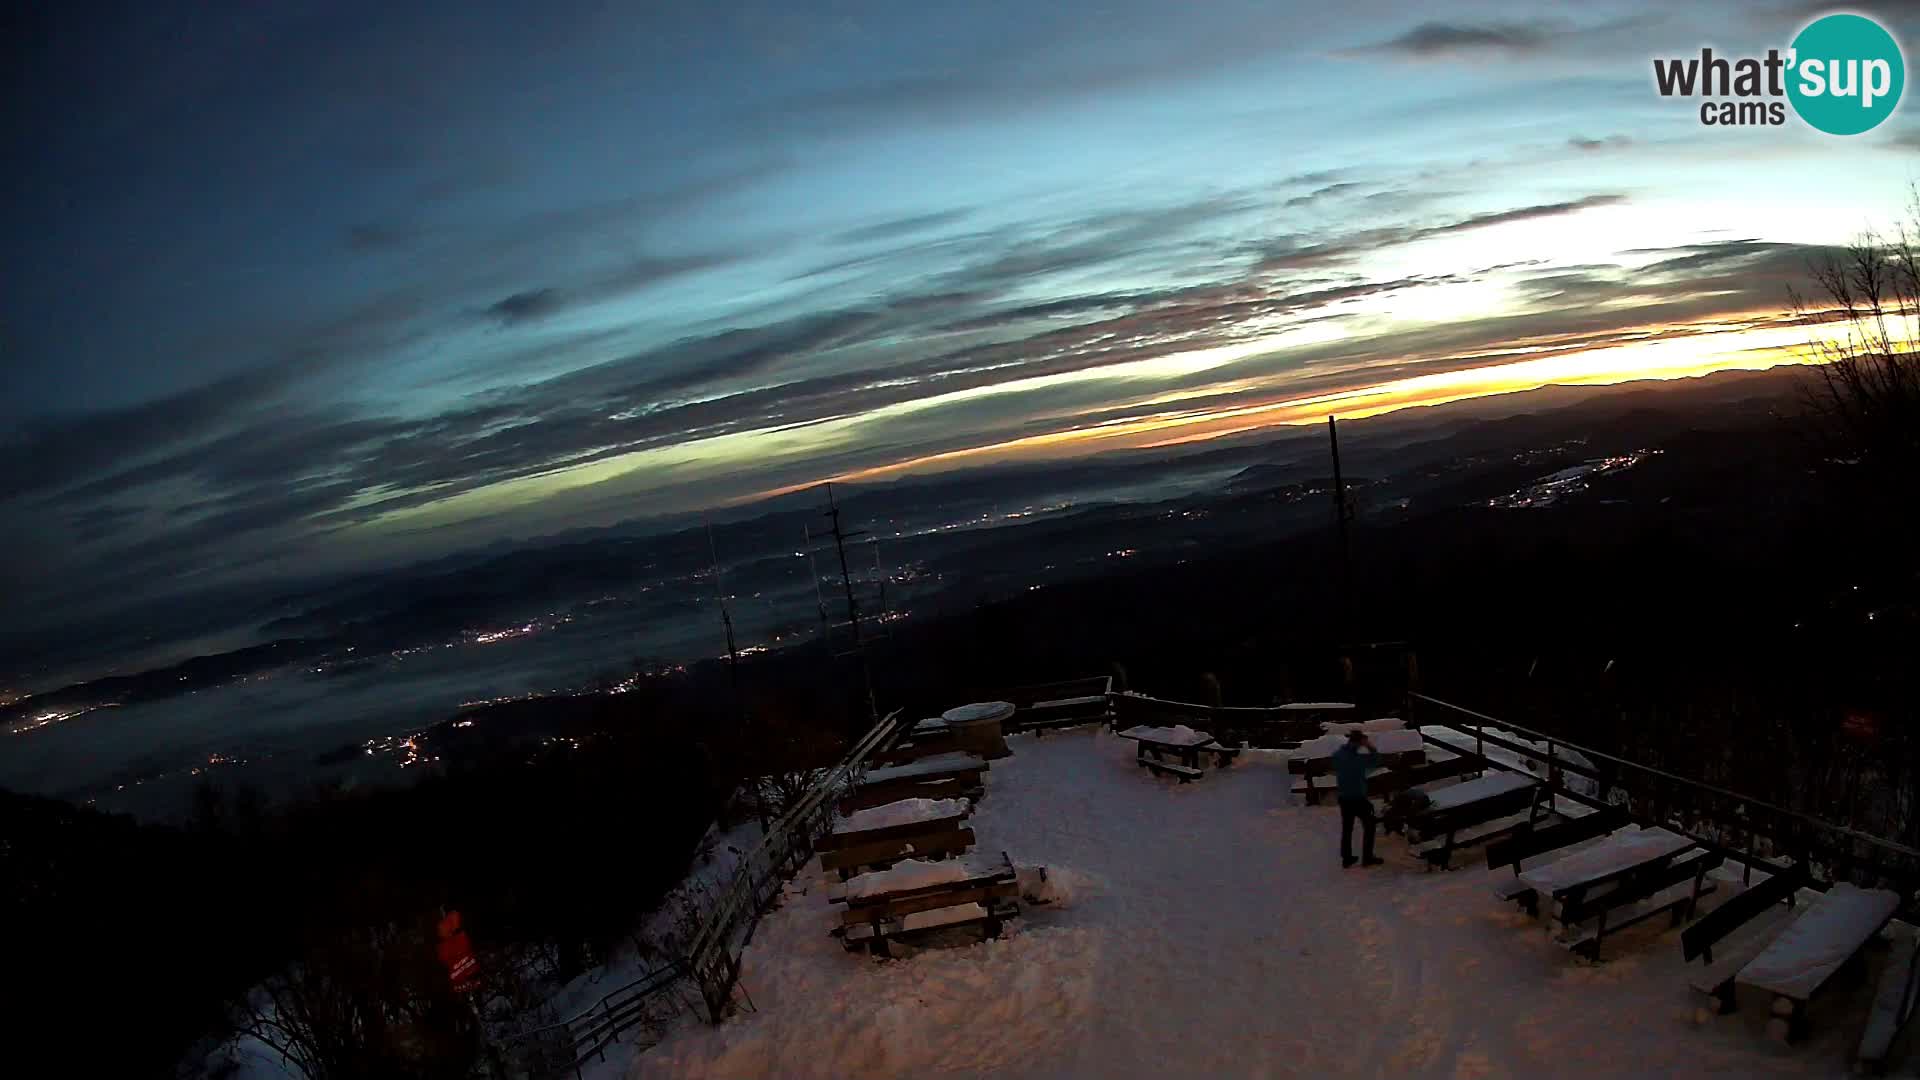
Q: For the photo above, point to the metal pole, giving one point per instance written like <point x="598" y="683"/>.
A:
<point x="819" y="598"/>
<point x="726" y="617"/>
<point x="1340" y="515"/>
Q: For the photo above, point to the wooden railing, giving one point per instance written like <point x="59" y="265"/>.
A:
<point x="1752" y="831"/>
<point x="1059" y="704"/>
<point x="713" y="957"/>
<point x="1255" y="725"/>
<point x="712" y="960"/>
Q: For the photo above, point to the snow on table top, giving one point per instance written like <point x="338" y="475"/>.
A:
<point x="946" y="916"/>
<point x="1174" y="931"/>
<point x="905" y="876"/>
<point x="1494" y="783"/>
<point x="1061" y="703"/>
<point x="1814" y="945"/>
<point x="979" y="710"/>
<point x="936" y="765"/>
<point x="1626" y="848"/>
<point x="1178" y="735"/>
<point x="904" y="812"/>
<point x="1386" y="742"/>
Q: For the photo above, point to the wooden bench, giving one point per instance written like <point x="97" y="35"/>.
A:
<point x="872" y="898"/>
<point x="1893" y="1000"/>
<point x="867" y="799"/>
<point x="1715" y="976"/>
<point x="914" y="897"/>
<point x="1316" y="767"/>
<point x="990" y="917"/>
<point x="1454" y="824"/>
<point x="882" y="853"/>
<point x="1185" y="773"/>
<point x="1641" y="896"/>
<point x="1394" y="781"/>
<point x="940" y="776"/>
<point x="1802" y="961"/>
<point x="1525" y="843"/>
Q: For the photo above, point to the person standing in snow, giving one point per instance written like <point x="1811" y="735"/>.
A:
<point x="1350" y="765"/>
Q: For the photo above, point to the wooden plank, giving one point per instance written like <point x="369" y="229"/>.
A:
<point x="942" y="789"/>
<point x="1453" y="819"/>
<point x="974" y="874"/>
<point x="1715" y="978"/>
<point x="1439" y="851"/>
<point x="1804" y="958"/>
<point x="836" y="840"/>
<point x="1737" y="911"/>
<point x="1515" y="849"/>
<point x="1645" y="883"/>
<point x="1613" y="858"/>
<point x="928" y="901"/>
<point x="1185" y="773"/>
<point x="1676" y="900"/>
<point x="891" y="851"/>
<point x="952" y="763"/>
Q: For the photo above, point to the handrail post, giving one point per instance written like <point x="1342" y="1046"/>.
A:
<point x="1746" y="879"/>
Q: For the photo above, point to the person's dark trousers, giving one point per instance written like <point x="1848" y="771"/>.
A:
<point x="1350" y="809"/>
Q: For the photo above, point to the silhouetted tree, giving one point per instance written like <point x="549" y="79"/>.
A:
<point x="1865" y="394"/>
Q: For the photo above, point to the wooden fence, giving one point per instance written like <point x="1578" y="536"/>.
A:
<point x="1748" y="830"/>
<point x="712" y="960"/>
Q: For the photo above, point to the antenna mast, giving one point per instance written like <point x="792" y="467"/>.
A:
<point x="1342" y="513"/>
<point x="726" y="617"/>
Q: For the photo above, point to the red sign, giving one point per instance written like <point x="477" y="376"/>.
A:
<point x="456" y="952"/>
<point x="1862" y="726"/>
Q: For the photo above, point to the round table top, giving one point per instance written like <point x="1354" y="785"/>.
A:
<point x="978" y="711"/>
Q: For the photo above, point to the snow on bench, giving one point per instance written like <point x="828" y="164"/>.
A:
<point x="1178" y="735"/>
<point x="904" y="812"/>
<point x="1801" y="960"/>
<point x="947" y="916"/>
<point x="1716" y="979"/>
<point x="1472" y="791"/>
<point x="1471" y="835"/>
<point x="939" y="765"/>
<point x="1387" y="743"/>
<point x="1892" y="1005"/>
<point x="1314" y="706"/>
<point x="906" y="876"/>
<point x="1587" y="934"/>
<point x="1619" y="852"/>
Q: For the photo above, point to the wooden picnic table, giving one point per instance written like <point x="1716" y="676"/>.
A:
<point x="1398" y="748"/>
<point x="1625" y="878"/>
<point x="915" y="895"/>
<point x="951" y="774"/>
<point x="903" y="817"/>
<point x="1489" y="786"/>
<point x="1155" y="744"/>
<point x="1471" y="813"/>
<point x="1812" y="949"/>
<point x="1607" y="861"/>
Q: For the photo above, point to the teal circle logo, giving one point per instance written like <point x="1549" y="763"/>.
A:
<point x="1847" y="74"/>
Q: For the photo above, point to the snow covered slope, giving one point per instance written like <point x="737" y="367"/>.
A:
<point x="1210" y="931"/>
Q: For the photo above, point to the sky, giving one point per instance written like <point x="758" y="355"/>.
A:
<point x="314" y="287"/>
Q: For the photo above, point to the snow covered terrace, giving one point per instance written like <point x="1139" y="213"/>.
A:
<point x="1207" y="929"/>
